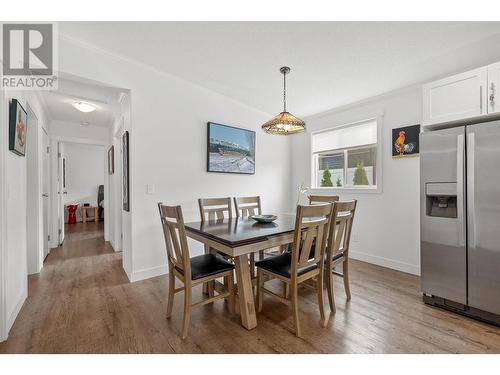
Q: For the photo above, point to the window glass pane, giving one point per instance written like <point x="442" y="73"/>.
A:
<point x="361" y="166"/>
<point x="330" y="170"/>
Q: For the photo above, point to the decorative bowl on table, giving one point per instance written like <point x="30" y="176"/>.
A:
<point x="264" y="218"/>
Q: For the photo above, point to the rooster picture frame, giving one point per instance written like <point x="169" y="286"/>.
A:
<point x="405" y="142"/>
<point x="17" y="128"/>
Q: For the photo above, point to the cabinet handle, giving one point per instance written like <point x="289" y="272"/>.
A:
<point x="492" y="95"/>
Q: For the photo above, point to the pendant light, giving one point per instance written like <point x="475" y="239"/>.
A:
<point x="285" y="123"/>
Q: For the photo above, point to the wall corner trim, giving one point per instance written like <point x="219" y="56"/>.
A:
<point x="148" y="273"/>
<point x="17" y="308"/>
<point x="386" y="262"/>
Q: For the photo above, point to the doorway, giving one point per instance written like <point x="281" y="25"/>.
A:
<point x="82" y="172"/>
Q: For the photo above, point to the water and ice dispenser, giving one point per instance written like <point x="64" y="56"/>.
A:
<point x="441" y="199"/>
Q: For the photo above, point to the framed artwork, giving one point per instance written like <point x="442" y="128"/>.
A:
<point x="126" y="175"/>
<point x="405" y="141"/>
<point x="17" y="128"/>
<point x="230" y="149"/>
<point x="111" y="160"/>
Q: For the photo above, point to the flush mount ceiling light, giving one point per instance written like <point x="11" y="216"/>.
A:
<point x="84" y="106"/>
<point x="285" y="123"/>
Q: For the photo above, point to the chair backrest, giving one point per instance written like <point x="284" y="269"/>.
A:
<point x="309" y="240"/>
<point x="315" y="199"/>
<point x="215" y="208"/>
<point x="340" y="229"/>
<point x="247" y="206"/>
<point x="175" y="238"/>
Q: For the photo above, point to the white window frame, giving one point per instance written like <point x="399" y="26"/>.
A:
<point x="354" y="189"/>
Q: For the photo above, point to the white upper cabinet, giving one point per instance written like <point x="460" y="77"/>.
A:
<point x="457" y="97"/>
<point x="493" y="88"/>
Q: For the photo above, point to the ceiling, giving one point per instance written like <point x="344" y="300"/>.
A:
<point x="59" y="104"/>
<point x="333" y="63"/>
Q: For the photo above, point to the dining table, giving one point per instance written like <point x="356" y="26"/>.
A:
<point x="238" y="238"/>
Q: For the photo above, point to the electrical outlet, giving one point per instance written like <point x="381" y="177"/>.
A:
<point x="355" y="238"/>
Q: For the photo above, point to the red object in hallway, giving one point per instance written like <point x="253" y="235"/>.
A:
<point x="72" y="213"/>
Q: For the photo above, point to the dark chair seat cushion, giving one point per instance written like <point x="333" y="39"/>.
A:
<point x="281" y="265"/>
<point x="337" y="256"/>
<point x="207" y="265"/>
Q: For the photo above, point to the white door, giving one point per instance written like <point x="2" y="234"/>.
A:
<point x="493" y="88"/>
<point x="45" y="192"/>
<point x="455" y="98"/>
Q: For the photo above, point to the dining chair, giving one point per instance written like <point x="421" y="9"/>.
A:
<point x="303" y="263"/>
<point x="315" y="199"/>
<point x="190" y="271"/>
<point x="215" y="208"/>
<point x="337" y="250"/>
<point x="246" y="207"/>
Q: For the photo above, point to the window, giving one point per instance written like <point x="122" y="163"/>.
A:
<point x="346" y="157"/>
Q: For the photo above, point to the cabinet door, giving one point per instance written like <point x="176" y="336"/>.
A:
<point x="455" y="98"/>
<point x="493" y="88"/>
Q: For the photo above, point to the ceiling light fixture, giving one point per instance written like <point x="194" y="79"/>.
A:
<point x="84" y="106"/>
<point x="285" y="123"/>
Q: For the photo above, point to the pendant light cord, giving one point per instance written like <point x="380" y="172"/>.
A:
<point x="284" y="91"/>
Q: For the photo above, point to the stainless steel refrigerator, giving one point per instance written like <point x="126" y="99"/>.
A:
<point x="460" y="219"/>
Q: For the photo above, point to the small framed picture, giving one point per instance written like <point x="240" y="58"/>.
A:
<point x="405" y="141"/>
<point x="111" y="160"/>
<point x="17" y="128"/>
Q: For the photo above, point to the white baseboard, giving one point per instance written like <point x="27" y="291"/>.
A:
<point x="19" y="304"/>
<point x="385" y="262"/>
<point x="148" y="273"/>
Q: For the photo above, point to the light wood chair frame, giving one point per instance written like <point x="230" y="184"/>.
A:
<point x="339" y="238"/>
<point x="214" y="209"/>
<point x="246" y="207"/>
<point x="179" y="259"/>
<point x="315" y="199"/>
<point x="311" y="228"/>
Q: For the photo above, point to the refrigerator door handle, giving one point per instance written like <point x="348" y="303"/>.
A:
<point x="471" y="199"/>
<point x="460" y="189"/>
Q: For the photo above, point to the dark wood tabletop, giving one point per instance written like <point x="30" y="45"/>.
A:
<point x="240" y="231"/>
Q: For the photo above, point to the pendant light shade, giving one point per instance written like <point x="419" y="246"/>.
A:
<point x="284" y="123"/>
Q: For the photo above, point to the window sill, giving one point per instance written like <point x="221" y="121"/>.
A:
<point x="340" y="191"/>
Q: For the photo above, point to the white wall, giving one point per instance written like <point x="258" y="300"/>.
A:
<point x="71" y="130"/>
<point x="387" y="224"/>
<point x="168" y="119"/>
<point x="16" y="250"/>
<point x="85" y="171"/>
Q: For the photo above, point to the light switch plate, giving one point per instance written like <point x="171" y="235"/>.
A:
<point x="150" y="189"/>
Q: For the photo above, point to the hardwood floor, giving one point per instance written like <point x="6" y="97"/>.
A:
<point x="82" y="302"/>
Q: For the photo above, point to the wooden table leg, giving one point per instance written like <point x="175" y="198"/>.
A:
<point x="96" y="214"/>
<point x="84" y="214"/>
<point x="245" y="293"/>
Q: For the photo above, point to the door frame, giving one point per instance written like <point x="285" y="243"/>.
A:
<point x="117" y="186"/>
<point x="54" y="142"/>
<point x="35" y="233"/>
